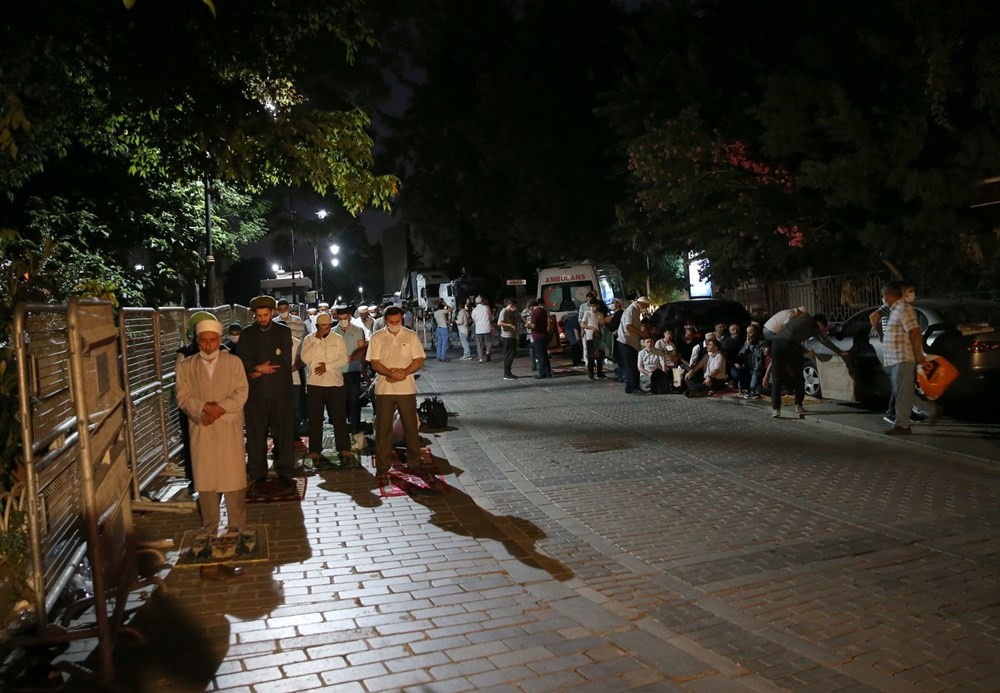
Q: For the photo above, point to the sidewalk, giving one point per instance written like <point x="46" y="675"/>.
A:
<point x="598" y="541"/>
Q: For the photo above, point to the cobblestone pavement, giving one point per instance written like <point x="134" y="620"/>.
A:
<point x="594" y="540"/>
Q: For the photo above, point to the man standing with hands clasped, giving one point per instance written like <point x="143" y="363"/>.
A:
<point x="395" y="354"/>
<point x="324" y="354"/>
<point x="266" y="350"/>
<point x="211" y="391"/>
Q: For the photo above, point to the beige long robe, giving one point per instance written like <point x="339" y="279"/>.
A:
<point x="218" y="455"/>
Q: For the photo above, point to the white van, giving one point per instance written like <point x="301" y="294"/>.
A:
<point x="564" y="288"/>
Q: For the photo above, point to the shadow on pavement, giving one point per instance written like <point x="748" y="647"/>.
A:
<point x="457" y="513"/>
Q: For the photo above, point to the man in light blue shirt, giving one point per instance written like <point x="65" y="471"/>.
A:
<point x="354" y="340"/>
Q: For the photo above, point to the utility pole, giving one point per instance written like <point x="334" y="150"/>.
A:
<point x="209" y="257"/>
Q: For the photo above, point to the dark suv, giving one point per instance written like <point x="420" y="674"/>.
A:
<point x="703" y="313"/>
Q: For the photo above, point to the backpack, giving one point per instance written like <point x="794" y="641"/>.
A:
<point x="433" y="413"/>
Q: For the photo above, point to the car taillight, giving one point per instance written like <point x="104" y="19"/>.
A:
<point x="982" y="347"/>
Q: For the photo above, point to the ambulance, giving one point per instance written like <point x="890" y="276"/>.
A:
<point x="563" y="288"/>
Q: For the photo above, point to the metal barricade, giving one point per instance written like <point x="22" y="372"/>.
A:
<point x="105" y="477"/>
<point x="78" y="478"/>
<point x="173" y="336"/>
<point x="142" y="368"/>
<point x="242" y="314"/>
<point x="51" y="452"/>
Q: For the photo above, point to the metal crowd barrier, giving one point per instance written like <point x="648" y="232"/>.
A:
<point x="78" y="476"/>
<point x="51" y="452"/>
<point x="143" y="372"/>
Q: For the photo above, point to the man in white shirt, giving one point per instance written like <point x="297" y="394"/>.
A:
<point x="324" y="354"/>
<point x="630" y="336"/>
<point x="482" y="318"/>
<point x="395" y="354"/>
<point x="293" y="321"/>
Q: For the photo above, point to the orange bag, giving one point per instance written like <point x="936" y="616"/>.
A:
<point x="935" y="375"/>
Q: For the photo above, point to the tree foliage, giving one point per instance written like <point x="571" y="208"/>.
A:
<point x="507" y="162"/>
<point x="168" y="93"/>
<point x="883" y="115"/>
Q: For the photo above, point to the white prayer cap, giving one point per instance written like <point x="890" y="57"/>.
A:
<point x="209" y="326"/>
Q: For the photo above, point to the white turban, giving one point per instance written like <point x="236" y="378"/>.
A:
<point x="209" y="326"/>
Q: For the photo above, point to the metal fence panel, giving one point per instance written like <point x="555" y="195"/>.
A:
<point x="51" y="451"/>
<point x="105" y="475"/>
<point x="138" y="330"/>
<point x="173" y="336"/>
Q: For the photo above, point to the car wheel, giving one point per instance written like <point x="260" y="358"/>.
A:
<point x="811" y="376"/>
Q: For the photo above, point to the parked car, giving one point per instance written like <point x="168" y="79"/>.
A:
<point x="966" y="332"/>
<point x="703" y="313"/>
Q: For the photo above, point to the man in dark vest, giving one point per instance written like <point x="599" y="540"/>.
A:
<point x="266" y="350"/>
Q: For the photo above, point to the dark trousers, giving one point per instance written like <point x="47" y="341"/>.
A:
<point x="540" y="353"/>
<point x="786" y="368"/>
<point x="385" y="407"/>
<point x="509" y="352"/>
<point x="630" y="362"/>
<point x="352" y="390"/>
<point x="333" y="400"/>
<point x="593" y="345"/>
<point x="576" y="352"/>
<point x="269" y="410"/>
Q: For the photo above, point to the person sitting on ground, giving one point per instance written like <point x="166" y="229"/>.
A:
<point x="753" y="363"/>
<point x="730" y="345"/>
<point x="709" y="368"/>
<point x="671" y="357"/>
<point x="651" y="362"/>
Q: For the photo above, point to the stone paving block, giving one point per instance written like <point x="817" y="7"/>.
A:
<point x="249" y="678"/>
<point x="466" y="668"/>
<point x="338" y="677"/>
<point x="503" y="675"/>
<point x="558" y="681"/>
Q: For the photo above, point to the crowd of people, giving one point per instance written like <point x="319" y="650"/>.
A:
<point x="240" y="388"/>
<point x="283" y="376"/>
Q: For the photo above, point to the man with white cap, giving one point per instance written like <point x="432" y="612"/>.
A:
<point x="366" y="319"/>
<point x="324" y="354"/>
<point x="266" y="349"/>
<point x="211" y="391"/>
<point x="630" y="336"/>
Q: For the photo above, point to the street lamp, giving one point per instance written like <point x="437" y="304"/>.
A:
<point x="321" y="215"/>
<point x="361" y="292"/>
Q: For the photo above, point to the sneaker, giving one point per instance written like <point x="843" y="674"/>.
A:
<point x="775" y="413"/>
<point x="466" y="358"/>
<point x="917" y="417"/>
<point x="898" y="431"/>
<point x="510" y="377"/>
<point x="889" y="420"/>
<point x="801" y="411"/>
<point x="487" y="357"/>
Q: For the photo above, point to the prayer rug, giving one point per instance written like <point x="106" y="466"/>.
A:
<point x="249" y="546"/>
<point x="403" y="480"/>
<point x="275" y="491"/>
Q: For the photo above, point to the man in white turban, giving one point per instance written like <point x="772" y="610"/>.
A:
<point x="211" y="391"/>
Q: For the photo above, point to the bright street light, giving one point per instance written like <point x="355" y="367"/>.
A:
<point x="334" y="248"/>
<point x="322" y="214"/>
<point x="275" y="268"/>
<point x="335" y="262"/>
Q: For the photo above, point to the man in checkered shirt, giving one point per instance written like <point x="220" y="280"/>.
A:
<point x="903" y="346"/>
